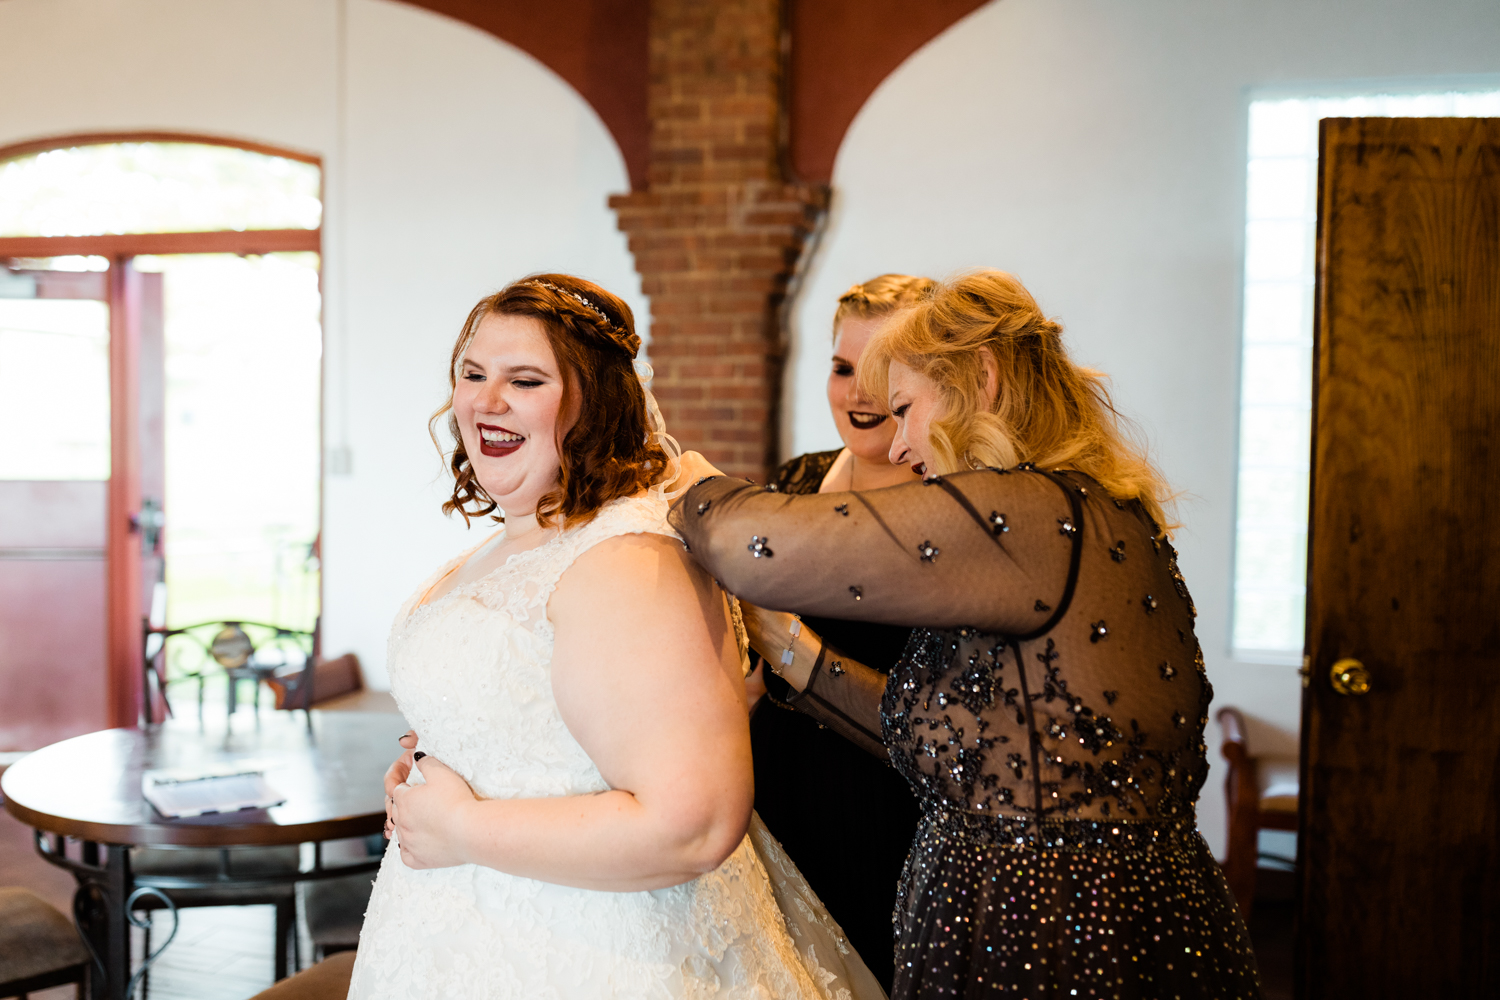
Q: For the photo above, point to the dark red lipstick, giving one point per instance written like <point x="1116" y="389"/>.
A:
<point x="497" y="442"/>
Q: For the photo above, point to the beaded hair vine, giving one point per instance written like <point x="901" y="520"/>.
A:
<point x="620" y="337"/>
<point x="653" y="411"/>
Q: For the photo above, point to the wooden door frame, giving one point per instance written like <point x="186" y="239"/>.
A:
<point x="122" y="547"/>
<point x="122" y="542"/>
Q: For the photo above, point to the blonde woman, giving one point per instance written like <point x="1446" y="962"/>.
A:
<point x="850" y="837"/>
<point x="1049" y="710"/>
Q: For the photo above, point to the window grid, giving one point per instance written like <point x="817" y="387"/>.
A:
<point x="1276" y="365"/>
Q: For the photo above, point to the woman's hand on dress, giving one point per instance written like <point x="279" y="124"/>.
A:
<point x="770" y="634"/>
<point x="430" y="818"/>
<point x="694" y="468"/>
<point x="397" y="774"/>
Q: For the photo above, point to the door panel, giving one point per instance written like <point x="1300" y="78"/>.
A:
<point x="52" y="514"/>
<point x="70" y="625"/>
<point x="1399" y="867"/>
<point x="52" y="664"/>
<point x="52" y="595"/>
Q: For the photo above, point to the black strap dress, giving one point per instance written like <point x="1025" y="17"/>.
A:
<point x="1048" y="712"/>
<point x="848" y="837"/>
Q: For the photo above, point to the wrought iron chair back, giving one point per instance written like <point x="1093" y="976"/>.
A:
<point x="240" y="650"/>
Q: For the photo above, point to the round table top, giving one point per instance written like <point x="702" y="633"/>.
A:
<point x="89" y="787"/>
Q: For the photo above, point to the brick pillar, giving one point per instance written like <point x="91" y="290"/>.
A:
<point x="718" y="229"/>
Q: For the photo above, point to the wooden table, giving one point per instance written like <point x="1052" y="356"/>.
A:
<point x="89" y="788"/>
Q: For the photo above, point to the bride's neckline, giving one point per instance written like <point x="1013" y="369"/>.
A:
<point x="497" y="538"/>
<point x="428" y="601"/>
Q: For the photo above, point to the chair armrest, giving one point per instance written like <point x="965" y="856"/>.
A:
<point x="1242" y="798"/>
<point x="1233" y="725"/>
<point x="331" y="678"/>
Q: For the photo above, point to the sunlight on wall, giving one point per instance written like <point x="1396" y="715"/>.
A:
<point x="1276" y="373"/>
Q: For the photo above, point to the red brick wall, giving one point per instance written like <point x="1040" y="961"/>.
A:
<point x="718" y="229"/>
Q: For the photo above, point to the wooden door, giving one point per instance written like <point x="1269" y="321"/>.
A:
<point x="1400" y="826"/>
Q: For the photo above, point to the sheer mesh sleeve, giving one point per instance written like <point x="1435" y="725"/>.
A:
<point x="989" y="549"/>
<point x="844" y="695"/>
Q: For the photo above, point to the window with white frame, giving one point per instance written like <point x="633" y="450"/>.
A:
<point x="1276" y="367"/>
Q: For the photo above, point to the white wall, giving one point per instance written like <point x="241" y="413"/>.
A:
<point x="1097" y="150"/>
<point x="468" y="164"/>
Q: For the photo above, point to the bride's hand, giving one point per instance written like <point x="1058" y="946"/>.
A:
<point x="429" y="818"/>
<point x="397" y="774"/>
<point x="694" y="468"/>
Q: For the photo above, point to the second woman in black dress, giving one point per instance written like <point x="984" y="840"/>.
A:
<point x="849" y="837"/>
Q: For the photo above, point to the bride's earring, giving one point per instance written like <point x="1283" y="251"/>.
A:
<point x="974" y="464"/>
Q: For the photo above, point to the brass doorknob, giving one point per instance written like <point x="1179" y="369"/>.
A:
<point x="1350" y="677"/>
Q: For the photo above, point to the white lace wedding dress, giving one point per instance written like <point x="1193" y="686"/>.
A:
<point x="471" y="672"/>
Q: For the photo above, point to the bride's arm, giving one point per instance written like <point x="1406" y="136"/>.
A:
<point x="646" y="675"/>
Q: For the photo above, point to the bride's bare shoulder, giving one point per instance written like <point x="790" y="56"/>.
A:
<point x="638" y="571"/>
<point x="633" y="557"/>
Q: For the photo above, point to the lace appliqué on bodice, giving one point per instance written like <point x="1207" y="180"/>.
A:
<point x="471" y="671"/>
<point x="479" y="659"/>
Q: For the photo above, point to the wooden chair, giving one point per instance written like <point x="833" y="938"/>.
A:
<point x="328" y="980"/>
<point x="1261" y="794"/>
<point x="339" y="687"/>
<point x="205" y="863"/>
<point x="328" y="679"/>
<point x="334" y="908"/>
<point x="39" y="947"/>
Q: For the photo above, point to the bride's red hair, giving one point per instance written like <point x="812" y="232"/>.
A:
<point x="610" y="452"/>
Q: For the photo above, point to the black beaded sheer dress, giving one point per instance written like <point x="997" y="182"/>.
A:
<point x="849" y="837"/>
<point x="1048" y="712"/>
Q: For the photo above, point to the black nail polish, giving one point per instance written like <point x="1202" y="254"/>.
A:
<point x="418" y="755"/>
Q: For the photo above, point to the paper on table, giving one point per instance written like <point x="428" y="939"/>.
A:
<point x="177" y="794"/>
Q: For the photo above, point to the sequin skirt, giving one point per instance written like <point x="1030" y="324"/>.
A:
<point x="1001" y="907"/>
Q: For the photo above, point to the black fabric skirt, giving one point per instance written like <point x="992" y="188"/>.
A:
<point x="846" y="819"/>
<point x="1125" y="911"/>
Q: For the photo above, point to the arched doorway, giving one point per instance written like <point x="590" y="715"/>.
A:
<point x="160" y="371"/>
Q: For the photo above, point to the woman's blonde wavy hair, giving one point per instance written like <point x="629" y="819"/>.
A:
<point x="880" y="297"/>
<point x="1048" y="410"/>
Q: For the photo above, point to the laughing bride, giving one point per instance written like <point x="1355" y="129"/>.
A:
<point x="573" y="821"/>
